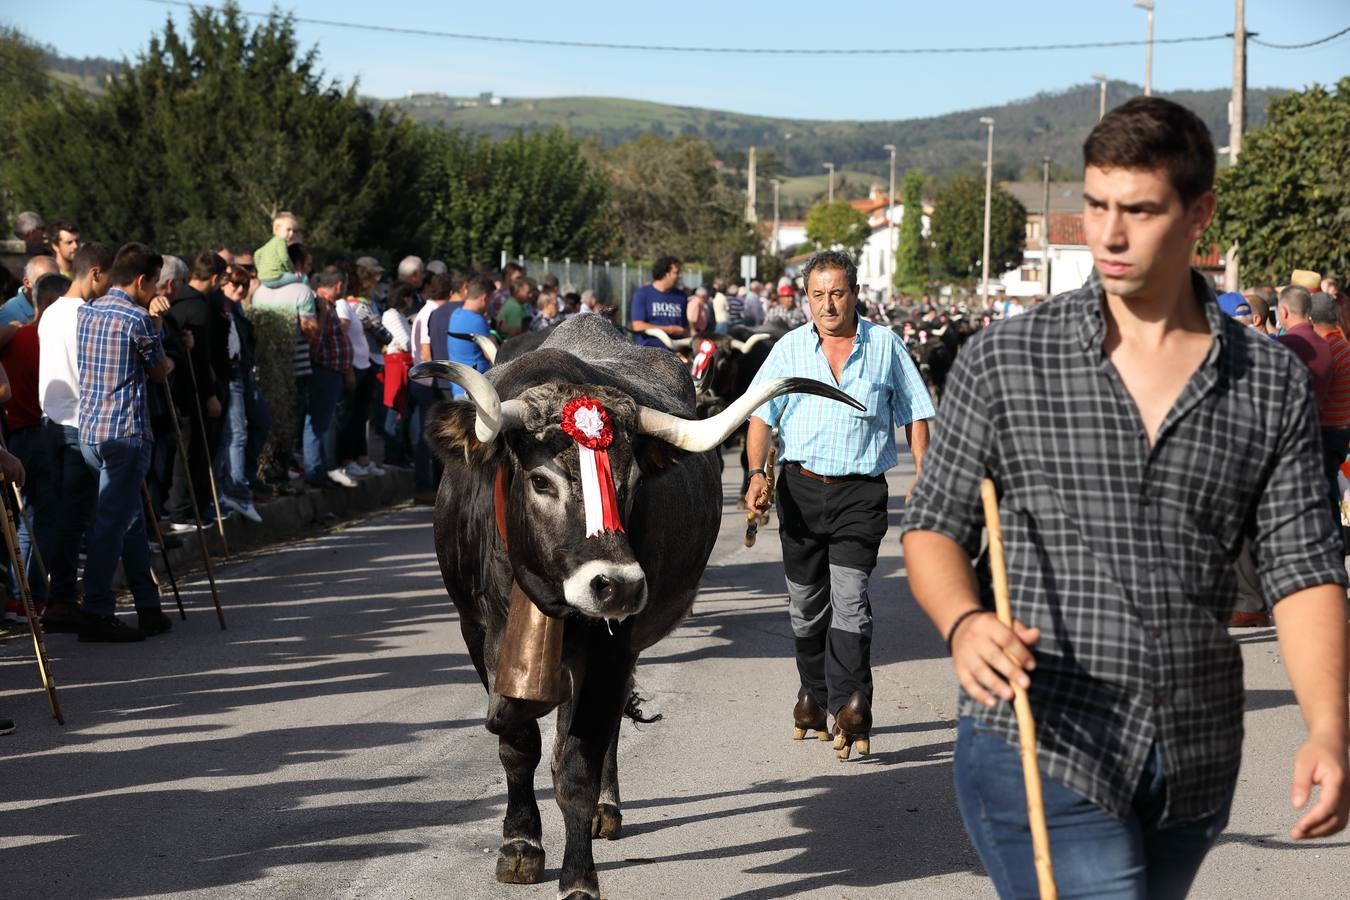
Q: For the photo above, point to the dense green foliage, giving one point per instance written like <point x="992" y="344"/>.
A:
<point x="911" y="252"/>
<point x="958" y="229"/>
<point x="837" y="224"/>
<point x="1287" y="201"/>
<point x="535" y="195"/>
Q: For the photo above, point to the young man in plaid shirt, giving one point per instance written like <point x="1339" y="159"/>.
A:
<point x="331" y="355"/>
<point x="1112" y="420"/>
<point x="120" y="354"/>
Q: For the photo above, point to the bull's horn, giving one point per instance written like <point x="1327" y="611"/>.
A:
<point x="493" y="415"/>
<point x="659" y="335"/>
<point x="745" y="345"/>
<point x="682" y="343"/>
<point x="485" y="344"/>
<point x="697" y="435"/>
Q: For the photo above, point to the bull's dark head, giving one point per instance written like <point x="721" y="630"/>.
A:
<point x="562" y="564"/>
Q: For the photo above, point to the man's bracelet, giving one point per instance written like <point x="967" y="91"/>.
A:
<point x="753" y="472"/>
<point x="951" y="632"/>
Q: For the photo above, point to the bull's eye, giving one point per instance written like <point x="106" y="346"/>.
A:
<point x="541" y="484"/>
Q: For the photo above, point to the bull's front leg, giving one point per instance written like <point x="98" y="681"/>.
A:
<point x="521" y="857"/>
<point x="587" y="727"/>
<point x="608" y="819"/>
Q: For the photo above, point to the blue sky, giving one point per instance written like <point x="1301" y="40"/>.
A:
<point x="859" y="87"/>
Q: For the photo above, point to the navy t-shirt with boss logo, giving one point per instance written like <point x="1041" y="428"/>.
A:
<point x="657" y="308"/>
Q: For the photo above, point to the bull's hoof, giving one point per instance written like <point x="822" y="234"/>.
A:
<point x="607" y="822"/>
<point x="581" y="895"/>
<point x="799" y="733"/>
<point x="520" y="863"/>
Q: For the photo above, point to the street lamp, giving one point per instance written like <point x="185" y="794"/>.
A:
<point x="890" y="228"/>
<point x="830" y="166"/>
<point x="988" y="195"/>
<point x="1101" y="104"/>
<point x="1148" y="52"/>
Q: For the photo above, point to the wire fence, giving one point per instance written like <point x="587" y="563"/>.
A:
<point x="613" y="281"/>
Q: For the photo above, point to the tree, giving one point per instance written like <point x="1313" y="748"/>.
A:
<point x="911" y="254"/>
<point x="958" y="229"/>
<point x="21" y="81"/>
<point x="839" y="225"/>
<point x="536" y="195"/>
<point x="1287" y="201"/>
<point x="212" y="132"/>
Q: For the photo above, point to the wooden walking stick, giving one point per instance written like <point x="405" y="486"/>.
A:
<point x="206" y="448"/>
<point x="759" y="515"/>
<point x="34" y="627"/>
<point x="192" y="496"/>
<point x="163" y="550"/>
<point x="1026" y="724"/>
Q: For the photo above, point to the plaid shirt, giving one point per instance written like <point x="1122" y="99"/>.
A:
<point x="1123" y="553"/>
<point x="333" y="350"/>
<point x="116" y="347"/>
<point x="830" y="438"/>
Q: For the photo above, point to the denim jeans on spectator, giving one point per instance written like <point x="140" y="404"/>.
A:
<point x="259" y="419"/>
<point x="320" y="440"/>
<point x="420" y="400"/>
<point x="118" y="528"/>
<point x="41" y="502"/>
<point x="1095" y="855"/>
<point x="76" y="486"/>
<point x="231" y="468"/>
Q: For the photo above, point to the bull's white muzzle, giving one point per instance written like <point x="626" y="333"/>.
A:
<point x="606" y="590"/>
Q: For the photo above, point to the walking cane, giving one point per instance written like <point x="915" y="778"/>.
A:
<point x="34" y="627"/>
<point x="163" y="550"/>
<point x="206" y="448"/>
<point x="760" y="515"/>
<point x="1026" y="725"/>
<point x="192" y="496"/>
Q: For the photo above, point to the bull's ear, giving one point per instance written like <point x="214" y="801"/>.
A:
<point x="653" y="455"/>
<point x="450" y="428"/>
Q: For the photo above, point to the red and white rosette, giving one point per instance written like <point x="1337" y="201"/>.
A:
<point x="699" y="364"/>
<point x="586" y="422"/>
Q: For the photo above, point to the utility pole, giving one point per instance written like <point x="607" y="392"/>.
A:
<point x="890" y="229"/>
<point x="1148" y="52"/>
<point x="776" y="185"/>
<point x="830" y="166"/>
<point x="1237" y="122"/>
<point x="750" y="214"/>
<point x="1045" y="229"/>
<point x="1101" y="102"/>
<point x="988" y="195"/>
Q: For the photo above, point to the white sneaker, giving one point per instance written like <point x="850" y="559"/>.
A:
<point x="356" y="470"/>
<point x="341" y="478"/>
<point x="245" y="508"/>
<point x="176" y="527"/>
<point x="372" y="469"/>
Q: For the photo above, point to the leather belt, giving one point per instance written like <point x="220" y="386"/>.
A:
<point x="826" y="479"/>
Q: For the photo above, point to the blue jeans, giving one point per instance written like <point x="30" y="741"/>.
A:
<point x="320" y="439"/>
<point x="1094" y="854"/>
<point x="75" y="486"/>
<point x="421" y="397"/>
<point x="231" y="467"/>
<point x="41" y="503"/>
<point x="118" y="529"/>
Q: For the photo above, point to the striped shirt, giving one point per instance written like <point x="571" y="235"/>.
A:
<point x="1123" y="553"/>
<point x="826" y="436"/>
<point x="1335" y="410"/>
<point x="117" y="347"/>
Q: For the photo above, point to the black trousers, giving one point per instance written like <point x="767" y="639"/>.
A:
<point x="830" y="535"/>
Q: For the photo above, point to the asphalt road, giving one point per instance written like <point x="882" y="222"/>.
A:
<point x="330" y="745"/>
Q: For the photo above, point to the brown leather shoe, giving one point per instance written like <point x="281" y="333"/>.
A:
<point x="853" y="726"/>
<point x="1249" y="620"/>
<point x="808" y="715"/>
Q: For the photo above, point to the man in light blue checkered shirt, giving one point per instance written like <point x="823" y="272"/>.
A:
<point x="832" y="498"/>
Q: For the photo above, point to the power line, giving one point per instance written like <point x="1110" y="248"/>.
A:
<point x="1330" y="37"/>
<point x="655" y="48"/>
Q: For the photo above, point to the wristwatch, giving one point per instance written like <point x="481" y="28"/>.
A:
<point x="753" y="472"/>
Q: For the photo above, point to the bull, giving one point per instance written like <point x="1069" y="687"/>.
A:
<point x="512" y="514"/>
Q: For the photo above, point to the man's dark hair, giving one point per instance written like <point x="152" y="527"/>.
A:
<point x="832" y="259"/>
<point x="550" y="280"/>
<point x="47" y="289"/>
<point x="661" y="268"/>
<point x="524" y="282"/>
<point x="93" y="255"/>
<point x="205" y="266"/>
<point x="298" y="256"/>
<point x="510" y="270"/>
<point x="332" y="276"/>
<point x="1260" y="308"/>
<point x="401" y="296"/>
<point x="479" y="287"/>
<point x="134" y="260"/>
<point x="1151" y="134"/>
<point x="439" y="287"/>
<point x="54" y="231"/>
<point x="459" y="279"/>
